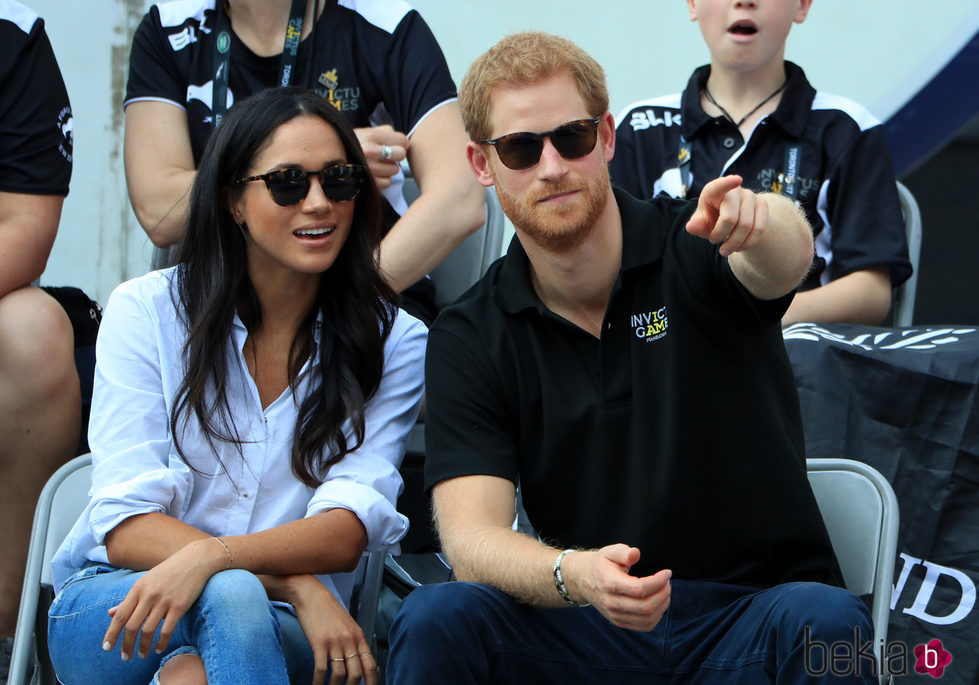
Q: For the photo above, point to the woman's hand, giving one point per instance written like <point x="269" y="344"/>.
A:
<point x="163" y="594"/>
<point x="338" y="643"/>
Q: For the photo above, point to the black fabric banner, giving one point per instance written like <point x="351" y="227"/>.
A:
<point x="906" y="401"/>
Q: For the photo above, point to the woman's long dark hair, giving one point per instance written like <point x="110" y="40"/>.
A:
<point x="354" y="303"/>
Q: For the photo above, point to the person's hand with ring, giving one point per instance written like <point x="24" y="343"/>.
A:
<point x="384" y="148"/>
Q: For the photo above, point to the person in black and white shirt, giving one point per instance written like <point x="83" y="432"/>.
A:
<point x="40" y="401"/>
<point x="374" y="60"/>
<point x="754" y="114"/>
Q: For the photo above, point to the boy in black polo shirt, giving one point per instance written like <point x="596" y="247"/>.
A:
<point x="624" y="363"/>
<point x="751" y="113"/>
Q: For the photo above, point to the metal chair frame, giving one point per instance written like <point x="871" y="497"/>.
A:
<point x="860" y="511"/>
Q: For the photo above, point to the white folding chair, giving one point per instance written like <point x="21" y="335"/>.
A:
<point x="61" y="502"/>
<point x="904" y="294"/>
<point x="469" y="261"/>
<point x="861" y="515"/>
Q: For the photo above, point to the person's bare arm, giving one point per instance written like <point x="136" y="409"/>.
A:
<point x="474" y="516"/>
<point x="329" y="542"/>
<point x="28" y="226"/>
<point x="181" y="559"/>
<point x="451" y="205"/>
<point x="862" y="297"/>
<point x="766" y="237"/>
<point x="159" y="168"/>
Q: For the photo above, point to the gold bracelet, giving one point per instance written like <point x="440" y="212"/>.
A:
<point x="227" y="551"/>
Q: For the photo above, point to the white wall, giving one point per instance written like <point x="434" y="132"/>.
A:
<point x="878" y="52"/>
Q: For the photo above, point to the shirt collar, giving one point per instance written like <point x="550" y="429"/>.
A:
<point x="240" y="334"/>
<point x="791" y="115"/>
<point x="793" y="110"/>
<point x="643" y="239"/>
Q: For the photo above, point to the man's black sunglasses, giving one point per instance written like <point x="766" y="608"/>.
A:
<point x="288" y="187"/>
<point x="523" y="150"/>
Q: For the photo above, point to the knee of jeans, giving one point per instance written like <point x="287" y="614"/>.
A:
<point x="235" y="593"/>
<point x="442" y="609"/>
<point x="830" y="613"/>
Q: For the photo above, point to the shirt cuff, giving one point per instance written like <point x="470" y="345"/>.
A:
<point x="385" y="526"/>
<point x="160" y="490"/>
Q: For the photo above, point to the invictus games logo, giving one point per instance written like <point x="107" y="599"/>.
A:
<point x="775" y="181"/>
<point x="66" y="124"/>
<point x="344" y="99"/>
<point x="650" y="326"/>
<point x="844" y="658"/>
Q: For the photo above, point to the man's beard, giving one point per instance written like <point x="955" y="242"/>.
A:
<point x="557" y="229"/>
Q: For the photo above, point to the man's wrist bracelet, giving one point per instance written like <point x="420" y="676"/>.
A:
<point x="562" y="589"/>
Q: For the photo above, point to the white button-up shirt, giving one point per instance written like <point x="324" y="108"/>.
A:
<point x="137" y="470"/>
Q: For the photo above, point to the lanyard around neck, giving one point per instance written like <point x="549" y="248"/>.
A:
<point x="222" y="56"/>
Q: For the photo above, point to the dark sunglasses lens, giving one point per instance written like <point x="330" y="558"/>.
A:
<point x="341" y="183"/>
<point x="574" y="140"/>
<point x="520" y="150"/>
<point x="288" y="187"/>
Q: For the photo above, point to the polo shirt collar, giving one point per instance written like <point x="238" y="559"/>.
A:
<point x="791" y="114"/>
<point x="694" y="116"/>
<point x="643" y="241"/>
<point x="643" y="231"/>
<point x="794" y="108"/>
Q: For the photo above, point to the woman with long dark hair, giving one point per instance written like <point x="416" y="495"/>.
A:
<point x="251" y="407"/>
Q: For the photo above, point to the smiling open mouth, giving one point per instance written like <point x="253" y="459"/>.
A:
<point x="313" y="233"/>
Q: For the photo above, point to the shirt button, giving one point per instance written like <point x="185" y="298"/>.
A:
<point x="245" y="495"/>
<point x="729" y="143"/>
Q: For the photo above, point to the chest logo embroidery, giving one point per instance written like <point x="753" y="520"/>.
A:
<point x="642" y="120"/>
<point x="774" y="181"/>
<point x="650" y="326"/>
<point x="178" y="41"/>
<point x="344" y="99"/>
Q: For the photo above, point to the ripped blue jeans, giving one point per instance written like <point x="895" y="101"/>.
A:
<point x="241" y="636"/>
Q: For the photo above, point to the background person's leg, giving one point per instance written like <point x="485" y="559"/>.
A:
<point x="40" y="413"/>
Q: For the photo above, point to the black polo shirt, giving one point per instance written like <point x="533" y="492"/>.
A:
<point x="36" y="124"/>
<point x="678" y="432"/>
<point x="845" y="179"/>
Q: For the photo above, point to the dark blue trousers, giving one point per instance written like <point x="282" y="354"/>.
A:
<point x="711" y="634"/>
